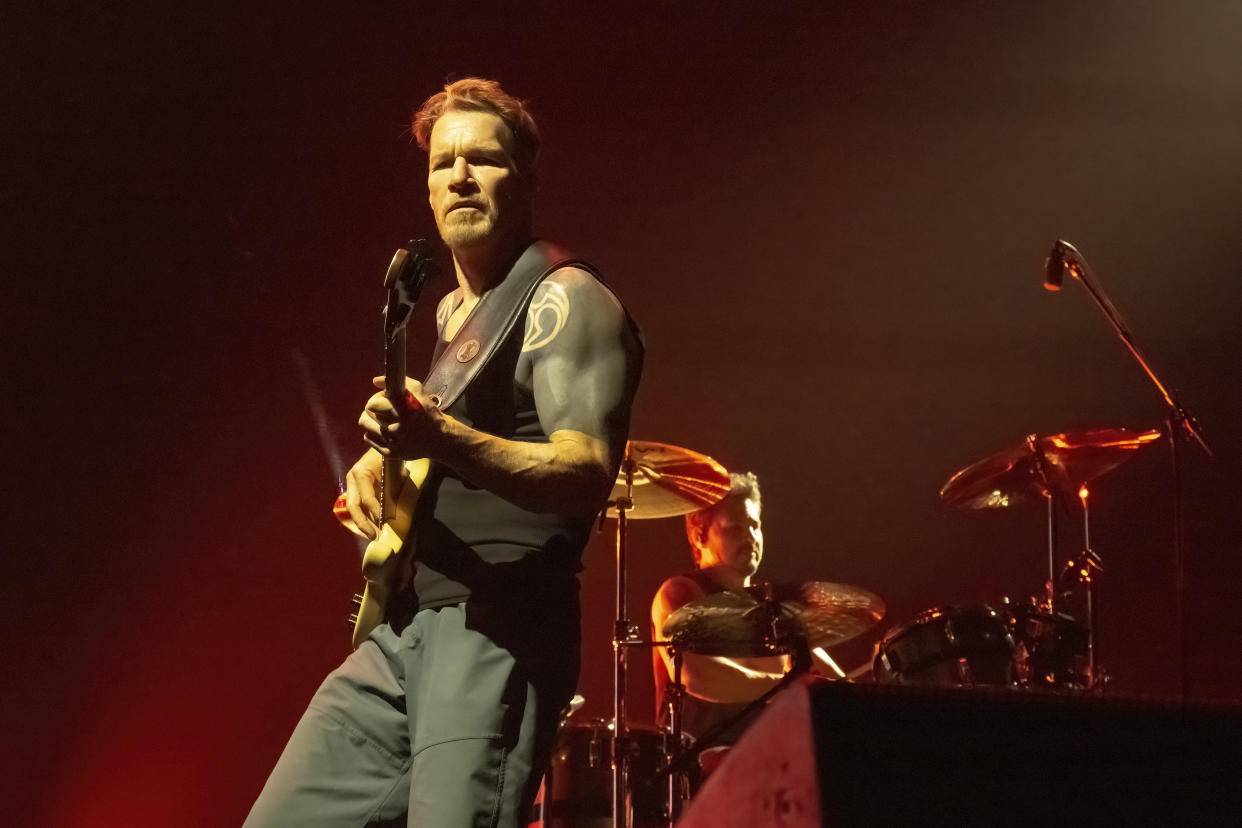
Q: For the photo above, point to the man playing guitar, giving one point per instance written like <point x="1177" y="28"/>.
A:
<point x="445" y="714"/>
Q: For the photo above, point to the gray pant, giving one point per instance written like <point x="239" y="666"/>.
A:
<point x="437" y="726"/>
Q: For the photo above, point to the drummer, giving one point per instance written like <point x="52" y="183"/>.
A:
<point x="726" y="540"/>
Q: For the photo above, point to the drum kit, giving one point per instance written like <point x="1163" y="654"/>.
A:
<point x="1049" y="641"/>
<point x="606" y="773"/>
<point x="1046" y="643"/>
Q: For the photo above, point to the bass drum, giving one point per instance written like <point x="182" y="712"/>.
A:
<point x="958" y="646"/>
<point x="577" y="787"/>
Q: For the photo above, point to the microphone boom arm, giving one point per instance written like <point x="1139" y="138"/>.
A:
<point x="1077" y="266"/>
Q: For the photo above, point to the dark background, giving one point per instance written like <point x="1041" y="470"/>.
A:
<point x="830" y="220"/>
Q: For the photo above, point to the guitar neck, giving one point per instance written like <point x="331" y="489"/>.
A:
<point x="394" y="390"/>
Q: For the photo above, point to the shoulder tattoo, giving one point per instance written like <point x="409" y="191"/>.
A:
<point x="546" y="316"/>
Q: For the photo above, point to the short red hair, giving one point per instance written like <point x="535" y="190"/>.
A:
<point x="481" y="95"/>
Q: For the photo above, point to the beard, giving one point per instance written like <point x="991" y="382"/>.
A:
<point x="465" y="228"/>
<point x="747" y="562"/>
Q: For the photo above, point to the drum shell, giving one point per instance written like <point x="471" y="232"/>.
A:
<point x="949" y="646"/>
<point x="1051" y="649"/>
<point x="577" y="787"/>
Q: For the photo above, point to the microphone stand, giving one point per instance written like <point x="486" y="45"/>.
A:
<point x="1180" y="422"/>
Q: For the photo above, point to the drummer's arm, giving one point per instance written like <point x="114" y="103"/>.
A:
<point x="728" y="680"/>
<point x="713" y="678"/>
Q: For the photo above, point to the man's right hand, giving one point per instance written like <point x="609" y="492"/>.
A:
<point x="362" y="486"/>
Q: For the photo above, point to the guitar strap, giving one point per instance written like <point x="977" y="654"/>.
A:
<point x="492" y="320"/>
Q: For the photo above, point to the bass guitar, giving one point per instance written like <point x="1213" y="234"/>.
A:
<point x="401" y="481"/>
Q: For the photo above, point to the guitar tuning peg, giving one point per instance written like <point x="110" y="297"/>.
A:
<point x="356" y="600"/>
<point x="351" y="620"/>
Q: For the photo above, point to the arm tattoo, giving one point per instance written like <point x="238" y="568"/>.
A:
<point x="546" y="317"/>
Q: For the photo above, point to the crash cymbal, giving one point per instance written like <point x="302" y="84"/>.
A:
<point x="736" y="623"/>
<point x="668" y="481"/>
<point x="1059" y="463"/>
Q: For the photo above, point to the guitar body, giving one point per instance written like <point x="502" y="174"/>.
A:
<point x="383" y="560"/>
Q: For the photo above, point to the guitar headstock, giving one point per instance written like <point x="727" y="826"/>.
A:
<point x="409" y="270"/>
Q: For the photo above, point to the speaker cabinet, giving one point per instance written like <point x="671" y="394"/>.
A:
<point x="833" y="754"/>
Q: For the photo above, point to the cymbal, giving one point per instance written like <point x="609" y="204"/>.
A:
<point x="1060" y="463"/>
<point x="668" y="481"/>
<point x="736" y="623"/>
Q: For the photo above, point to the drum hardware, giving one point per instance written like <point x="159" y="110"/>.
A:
<point x="1051" y="649"/>
<point x="792" y="644"/>
<point x="1047" y="467"/>
<point x="1081" y="570"/>
<point x="860" y="673"/>
<point x="678" y="792"/>
<point x="573" y="706"/>
<point x="577" y="787"/>
<point x="1055" y="468"/>
<point x="623" y="632"/>
<point x="822" y="655"/>
<point x="666" y="481"/>
<point x="764" y="620"/>
<point x="655" y="480"/>
<point x="747" y="622"/>
<point x="1057" y="463"/>
<point x="678" y="787"/>
<point x="956" y="645"/>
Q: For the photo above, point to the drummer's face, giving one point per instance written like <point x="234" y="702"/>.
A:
<point x="734" y="538"/>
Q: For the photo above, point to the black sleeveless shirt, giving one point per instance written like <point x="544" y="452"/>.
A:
<point x="472" y="544"/>
<point x="515" y="567"/>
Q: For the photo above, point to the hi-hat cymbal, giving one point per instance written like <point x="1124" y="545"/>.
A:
<point x="736" y="624"/>
<point x="1059" y="463"/>
<point x="668" y="481"/>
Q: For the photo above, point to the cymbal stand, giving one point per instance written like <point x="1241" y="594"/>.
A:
<point x="1050" y="590"/>
<point x="624" y="634"/>
<point x="674" y="701"/>
<point x="678" y="790"/>
<point x="1041" y="474"/>
<point x="1083" y="569"/>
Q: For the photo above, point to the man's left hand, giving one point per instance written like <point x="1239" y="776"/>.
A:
<point x="407" y="430"/>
